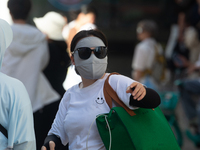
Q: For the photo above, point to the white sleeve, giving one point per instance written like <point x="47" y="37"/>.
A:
<point x="197" y="63"/>
<point x="44" y="54"/>
<point x="119" y="83"/>
<point x="57" y="127"/>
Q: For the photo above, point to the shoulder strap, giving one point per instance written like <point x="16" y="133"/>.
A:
<point x="4" y="131"/>
<point x="110" y="95"/>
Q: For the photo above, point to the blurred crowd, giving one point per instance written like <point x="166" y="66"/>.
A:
<point x="39" y="56"/>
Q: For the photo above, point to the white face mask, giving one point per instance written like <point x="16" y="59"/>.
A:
<point x="93" y="67"/>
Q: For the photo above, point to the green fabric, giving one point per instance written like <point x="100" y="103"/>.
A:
<point x="147" y="130"/>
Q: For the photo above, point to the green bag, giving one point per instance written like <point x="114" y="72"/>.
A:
<point x="141" y="129"/>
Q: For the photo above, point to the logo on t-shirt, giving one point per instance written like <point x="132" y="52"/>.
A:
<point x="100" y="100"/>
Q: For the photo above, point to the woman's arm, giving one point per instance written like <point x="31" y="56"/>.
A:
<point x="52" y="142"/>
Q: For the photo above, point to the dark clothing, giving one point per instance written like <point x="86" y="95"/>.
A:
<point x="58" y="64"/>
<point x="55" y="72"/>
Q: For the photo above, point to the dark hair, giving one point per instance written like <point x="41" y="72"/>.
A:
<point x="19" y="9"/>
<point x="86" y="33"/>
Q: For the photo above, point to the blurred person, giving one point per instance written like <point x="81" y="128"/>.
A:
<point x="17" y="130"/>
<point x="176" y="49"/>
<point x="182" y="45"/>
<point x="59" y="62"/>
<point x="25" y="59"/>
<point x="84" y="21"/>
<point x="191" y="105"/>
<point x="192" y="42"/>
<point x="144" y="53"/>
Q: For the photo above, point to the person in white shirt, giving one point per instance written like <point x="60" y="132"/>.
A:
<point x="16" y="117"/>
<point x="84" y="101"/>
<point x="144" y="53"/>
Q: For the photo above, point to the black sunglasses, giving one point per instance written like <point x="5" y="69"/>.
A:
<point x="85" y="52"/>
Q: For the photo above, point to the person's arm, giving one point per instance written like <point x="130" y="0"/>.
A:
<point x="52" y="142"/>
<point x="142" y="97"/>
<point x="72" y="33"/>
<point x="56" y="136"/>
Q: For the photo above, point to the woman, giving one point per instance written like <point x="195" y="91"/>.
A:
<point x="84" y="101"/>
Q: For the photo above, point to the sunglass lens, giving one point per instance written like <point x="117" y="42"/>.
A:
<point x="101" y="52"/>
<point x="84" y="52"/>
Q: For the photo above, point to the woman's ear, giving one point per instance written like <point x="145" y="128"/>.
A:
<point x="72" y="59"/>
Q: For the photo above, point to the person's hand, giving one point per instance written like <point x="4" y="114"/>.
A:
<point x="139" y="92"/>
<point x="51" y="145"/>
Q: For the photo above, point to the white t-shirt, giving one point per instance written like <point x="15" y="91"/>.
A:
<point x="144" y="59"/>
<point x="79" y="108"/>
<point x="144" y="55"/>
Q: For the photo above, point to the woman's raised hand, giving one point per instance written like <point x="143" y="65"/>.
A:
<point x="139" y="92"/>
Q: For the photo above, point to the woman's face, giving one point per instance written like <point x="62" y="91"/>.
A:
<point x="89" y="64"/>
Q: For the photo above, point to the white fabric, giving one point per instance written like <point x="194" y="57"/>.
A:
<point x="174" y="32"/>
<point x="16" y="115"/>
<point x="144" y="58"/>
<point x="72" y="78"/>
<point x="192" y="42"/>
<point x="15" y="107"/>
<point x="88" y="26"/>
<point x="51" y="24"/>
<point x="79" y="108"/>
<point x="25" y="59"/>
<point x="68" y="27"/>
<point x="197" y="63"/>
<point x="6" y="36"/>
<point x="144" y="55"/>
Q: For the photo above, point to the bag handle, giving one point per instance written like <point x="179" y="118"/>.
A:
<point x="110" y="95"/>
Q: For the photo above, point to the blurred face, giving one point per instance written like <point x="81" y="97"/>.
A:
<point x="141" y="35"/>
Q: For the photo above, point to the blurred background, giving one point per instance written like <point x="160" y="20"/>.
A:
<point x="118" y="20"/>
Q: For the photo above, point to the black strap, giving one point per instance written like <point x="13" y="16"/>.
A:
<point x="4" y="131"/>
